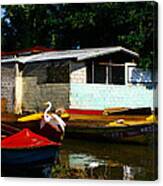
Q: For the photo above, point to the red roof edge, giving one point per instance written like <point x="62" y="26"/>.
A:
<point x="36" y="49"/>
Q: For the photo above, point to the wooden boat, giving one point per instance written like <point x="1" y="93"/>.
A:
<point x="12" y="123"/>
<point x="26" y="148"/>
<point x="127" y="111"/>
<point x="100" y="127"/>
<point x="119" y="129"/>
<point x="142" y="134"/>
<point x="113" y="111"/>
<point x="38" y="116"/>
<point x="8" y="130"/>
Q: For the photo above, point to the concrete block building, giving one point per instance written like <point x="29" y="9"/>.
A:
<point x="93" y="79"/>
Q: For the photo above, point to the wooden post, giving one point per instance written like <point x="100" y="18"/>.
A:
<point x="110" y="71"/>
<point x="107" y="74"/>
<point x="93" y="72"/>
<point x="18" y="90"/>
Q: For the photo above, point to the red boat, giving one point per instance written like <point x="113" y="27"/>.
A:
<point x="27" y="149"/>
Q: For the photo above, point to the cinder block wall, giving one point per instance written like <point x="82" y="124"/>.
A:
<point x="98" y="96"/>
<point x="78" y="72"/>
<point x="8" y="85"/>
<point x="36" y="91"/>
<point x="34" y="95"/>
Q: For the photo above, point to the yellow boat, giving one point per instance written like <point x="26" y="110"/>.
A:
<point x="124" y="123"/>
<point x="39" y="116"/>
<point x="142" y="131"/>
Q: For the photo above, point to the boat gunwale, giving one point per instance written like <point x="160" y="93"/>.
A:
<point x="58" y="144"/>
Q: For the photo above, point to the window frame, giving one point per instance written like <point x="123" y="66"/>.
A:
<point x="108" y="72"/>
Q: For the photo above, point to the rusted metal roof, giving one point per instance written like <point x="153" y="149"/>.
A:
<point x="27" y="51"/>
<point x="78" y="55"/>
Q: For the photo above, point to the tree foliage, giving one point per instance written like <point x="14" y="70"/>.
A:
<point x="65" y="26"/>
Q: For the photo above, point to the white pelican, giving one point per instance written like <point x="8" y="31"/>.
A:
<point x="53" y="119"/>
<point x="93" y="165"/>
<point x="128" y="173"/>
<point x="47" y="117"/>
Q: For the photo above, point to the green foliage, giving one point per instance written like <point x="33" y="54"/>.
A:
<point x="61" y="171"/>
<point x="64" y="26"/>
<point x="146" y="62"/>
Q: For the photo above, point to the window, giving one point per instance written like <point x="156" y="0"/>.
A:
<point x="58" y="73"/>
<point x="99" y="73"/>
<point x="89" y="73"/>
<point x="118" y="75"/>
<point x="106" y="73"/>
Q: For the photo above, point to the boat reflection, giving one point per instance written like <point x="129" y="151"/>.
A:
<point x="109" y="161"/>
<point x="109" y="168"/>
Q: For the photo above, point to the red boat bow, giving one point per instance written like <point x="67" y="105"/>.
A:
<point x="26" y="139"/>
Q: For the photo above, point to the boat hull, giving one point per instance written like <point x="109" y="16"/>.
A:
<point x="25" y="152"/>
<point x="23" y="157"/>
<point x="142" y="134"/>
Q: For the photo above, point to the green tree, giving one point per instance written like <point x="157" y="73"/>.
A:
<point x="65" y="26"/>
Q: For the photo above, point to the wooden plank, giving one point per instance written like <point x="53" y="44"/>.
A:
<point x="3" y="104"/>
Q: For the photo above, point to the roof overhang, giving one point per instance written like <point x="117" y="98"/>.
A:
<point x="77" y="55"/>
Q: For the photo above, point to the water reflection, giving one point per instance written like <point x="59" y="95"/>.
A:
<point x="43" y="171"/>
<point x="109" y="161"/>
<point x="82" y="159"/>
<point x="93" y="166"/>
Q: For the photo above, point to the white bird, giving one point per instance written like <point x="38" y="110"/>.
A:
<point x="47" y="117"/>
<point x="93" y="164"/>
<point x="120" y="121"/>
<point x="52" y="119"/>
<point x="127" y="173"/>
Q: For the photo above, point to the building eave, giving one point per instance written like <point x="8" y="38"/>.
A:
<point x="78" y="55"/>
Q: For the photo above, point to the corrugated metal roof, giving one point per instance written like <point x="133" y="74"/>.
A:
<point x="79" y="55"/>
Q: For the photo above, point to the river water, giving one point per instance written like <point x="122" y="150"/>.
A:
<point x="84" y="159"/>
<point x="100" y="160"/>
